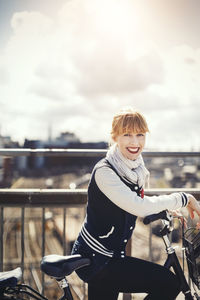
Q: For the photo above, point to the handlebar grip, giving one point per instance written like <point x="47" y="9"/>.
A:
<point x="151" y="218"/>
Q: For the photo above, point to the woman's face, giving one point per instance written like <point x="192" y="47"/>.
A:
<point x="131" y="144"/>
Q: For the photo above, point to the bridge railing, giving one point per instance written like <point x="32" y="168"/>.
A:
<point x="45" y="199"/>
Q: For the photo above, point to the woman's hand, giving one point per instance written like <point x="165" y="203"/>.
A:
<point x="193" y="206"/>
<point x="177" y="214"/>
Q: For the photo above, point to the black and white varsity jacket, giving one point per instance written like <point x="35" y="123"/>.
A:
<point x="106" y="229"/>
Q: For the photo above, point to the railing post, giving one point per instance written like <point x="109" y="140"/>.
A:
<point x="1" y="239"/>
<point x="64" y="231"/>
<point x="22" y="239"/>
<point x="43" y="244"/>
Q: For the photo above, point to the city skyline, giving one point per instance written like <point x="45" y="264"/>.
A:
<point x="73" y="64"/>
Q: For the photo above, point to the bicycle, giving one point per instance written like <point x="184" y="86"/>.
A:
<point x="191" y="246"/>
<point x="59" y="267"/>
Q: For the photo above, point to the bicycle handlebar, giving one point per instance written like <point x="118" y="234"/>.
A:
<point x="163" y="215"/>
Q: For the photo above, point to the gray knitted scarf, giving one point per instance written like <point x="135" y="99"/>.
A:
<point x="131" y="170"/>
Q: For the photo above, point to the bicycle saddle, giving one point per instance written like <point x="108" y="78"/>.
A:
<point x="59" y="266"/>
<point x="10" y="278"/>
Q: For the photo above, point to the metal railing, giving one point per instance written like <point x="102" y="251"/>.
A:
<point x="65" y="198"/>
<point x="13" y="152"/>
<point x="54" y="198"/>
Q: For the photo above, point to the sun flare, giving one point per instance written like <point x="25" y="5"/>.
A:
<point x="117" y="17"/>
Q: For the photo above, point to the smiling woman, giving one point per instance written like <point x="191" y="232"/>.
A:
<point x="115" y="200"/>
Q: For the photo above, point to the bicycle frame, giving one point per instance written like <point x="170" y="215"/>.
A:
<point x="63" y="283"/>
<point x="172" y="261"/>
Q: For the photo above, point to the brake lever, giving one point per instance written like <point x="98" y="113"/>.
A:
<point x="168" y="224"/>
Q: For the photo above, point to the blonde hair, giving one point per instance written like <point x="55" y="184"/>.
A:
<point x="128" y="120"/>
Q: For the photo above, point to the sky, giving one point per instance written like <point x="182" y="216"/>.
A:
<point x="70" y="65"/>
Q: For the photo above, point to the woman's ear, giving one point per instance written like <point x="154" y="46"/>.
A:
<point x="114" y="140"/>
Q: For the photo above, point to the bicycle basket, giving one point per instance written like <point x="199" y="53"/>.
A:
<point x="191" y="242"/>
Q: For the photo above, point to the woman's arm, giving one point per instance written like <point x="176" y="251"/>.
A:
<point x="120" y="194"/>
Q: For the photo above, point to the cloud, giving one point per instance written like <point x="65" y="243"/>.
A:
<point x="110" y="73"/>
<point x="190" y="60"/>
<point x="4" y="76"/>
<point x="105" y="49"/>
<point x="93" y="63"/>
<point x="176" y="130"/>
<point x="38" y="24"/>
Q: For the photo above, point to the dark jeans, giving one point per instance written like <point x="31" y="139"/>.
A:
<point x="133" y="275"/>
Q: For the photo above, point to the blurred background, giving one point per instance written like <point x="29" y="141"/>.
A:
<point x="65" y="68"/>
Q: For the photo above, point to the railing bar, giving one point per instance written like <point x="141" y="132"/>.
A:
<point x="1" y="239"/>
<point x="76" y="192"/>
<point x="42" y="198"/>
<point x="53" y="152"/>
<point x="22" y="239"/>
<point x="64" y="230"/>
<point x="87" y="152"/>
<point x="43" y="243"/>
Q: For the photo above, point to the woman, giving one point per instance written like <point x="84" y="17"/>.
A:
<point x="115" y="200"/>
